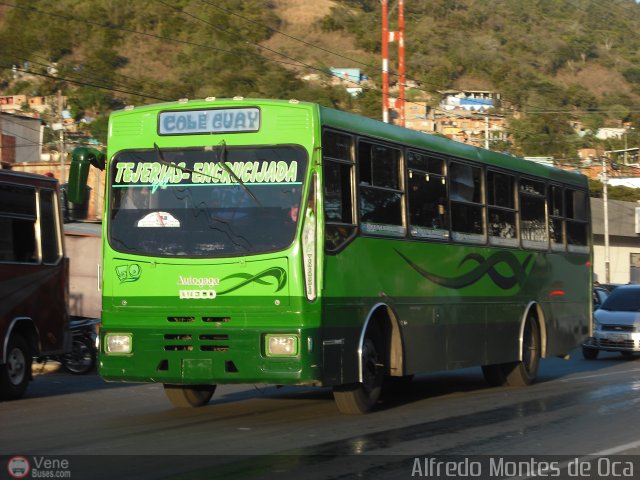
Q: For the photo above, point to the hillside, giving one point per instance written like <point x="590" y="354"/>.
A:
<point x="554" y="62"/>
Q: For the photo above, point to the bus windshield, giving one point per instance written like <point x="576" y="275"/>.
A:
<point x="207" y="202"/>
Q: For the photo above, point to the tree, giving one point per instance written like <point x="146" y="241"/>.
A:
<point x="544" y="134"/>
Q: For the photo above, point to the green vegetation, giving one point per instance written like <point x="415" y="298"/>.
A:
<point x="180" y="50"/>
<point x="557" y="64"/>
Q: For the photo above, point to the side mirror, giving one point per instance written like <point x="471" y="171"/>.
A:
<point x="81" y="160"/>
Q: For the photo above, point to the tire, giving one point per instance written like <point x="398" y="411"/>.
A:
<point x="590" y="353"/>
<point x="81" y="359"/>
<point x="627" y="355"/>
<point x="524" y="372"/>
<point x="189" y="396"/>
<point x="360" y="398"/>
<point x="16" y="373"/>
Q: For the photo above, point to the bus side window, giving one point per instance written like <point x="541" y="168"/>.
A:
<point x="49" y="228"/>
<point x="576" y="208"/>
<point x="427" y="191"/>
<point x="380" y="189"/>
<point x="556" y="220"/>
<point x="502" y="210"/>
<point x="533" y="221"/>
<point x="338" y="175"/>
<point x="18" y="224"/>
<point x="467" y="207"/>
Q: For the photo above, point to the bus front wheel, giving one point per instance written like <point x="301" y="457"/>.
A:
<point x="360" y="398"/>
<point x="189" y="396"/>
<point x="16" y="372"/>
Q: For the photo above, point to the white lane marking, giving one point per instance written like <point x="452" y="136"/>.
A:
<point x="619" y="448"/>
<point x="596" y="375"/>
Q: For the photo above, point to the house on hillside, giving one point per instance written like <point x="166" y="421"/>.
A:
<point x="17" y="103"/>
<point x="470" y="100"/>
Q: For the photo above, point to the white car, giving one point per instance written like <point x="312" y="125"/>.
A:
<point x="616" y="324"/>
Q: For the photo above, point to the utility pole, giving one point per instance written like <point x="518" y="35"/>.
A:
<point x="486" y="132"/>
<point x="385" y="62"/>
<point x="388" y="37"/>
<point x="401" y="79"/>
<point x="626" y="158"/>
<point x="605" y="180"/>
<point x="63" y="174"/>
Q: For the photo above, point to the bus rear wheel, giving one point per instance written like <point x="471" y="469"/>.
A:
<point x="189" y="396"/>
<point x="521" y="373"/>
<point x="524" y="372"/>
<point x="16" y="373"/>
<point x="360" y="398"/>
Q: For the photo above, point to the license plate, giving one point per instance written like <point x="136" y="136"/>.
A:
<point x="617" y="337"/>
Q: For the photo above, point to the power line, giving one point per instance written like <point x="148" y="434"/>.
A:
<point x="298" y="62"/>
<point x="128" y="30"/>
<point x="273" y="30"/>
<point x="50" y="64"/>
<point x="86" y="84"/>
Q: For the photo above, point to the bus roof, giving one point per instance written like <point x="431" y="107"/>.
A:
<point x="367" y="126"/>
<point x="27" y="178"/>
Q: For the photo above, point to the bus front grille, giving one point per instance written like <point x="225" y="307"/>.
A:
<point x="186" y="342"/>
<point x="627" y="344"/>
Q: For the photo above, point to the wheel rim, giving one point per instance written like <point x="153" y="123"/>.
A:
<point x="80" y="357"/>
<point x="529" y="349"/>
<point x="370" y="371"/>
<point x="16" y="366"/>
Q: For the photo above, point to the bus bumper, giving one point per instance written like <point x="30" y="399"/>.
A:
<point x="189" y="356"/>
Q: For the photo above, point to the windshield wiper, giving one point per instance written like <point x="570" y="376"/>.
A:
<point x="162" y="161"/>
<point x="221" y="153"/>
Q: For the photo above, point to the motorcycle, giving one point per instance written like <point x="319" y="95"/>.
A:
<point x="82" y="357"/>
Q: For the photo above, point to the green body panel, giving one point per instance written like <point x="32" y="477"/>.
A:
<point x="471" y="313"/>
<point x="452" y="306"/>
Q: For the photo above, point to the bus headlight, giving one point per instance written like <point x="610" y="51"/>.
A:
<point x="282" y="345"/>
<point x="118" y="343"/>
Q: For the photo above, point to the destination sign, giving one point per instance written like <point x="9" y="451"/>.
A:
<point x="229" y="120"/>
<point x="162" y="174"/>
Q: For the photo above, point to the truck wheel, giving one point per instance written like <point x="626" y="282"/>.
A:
<point x="359" y="398"/>
<point x="16" y="373"/>
<point x="590" y="353"/>
<point x="189" y="396"/>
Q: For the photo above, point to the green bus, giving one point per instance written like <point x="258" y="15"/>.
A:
<point x="281" y="242"/>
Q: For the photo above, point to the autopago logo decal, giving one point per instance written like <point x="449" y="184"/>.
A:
<point x="263" y="278"/>
<point x="204" y="294"/>
<point x="128" y="273"/>
<point x="485" y="266"/>
<point x="199" y="281"/>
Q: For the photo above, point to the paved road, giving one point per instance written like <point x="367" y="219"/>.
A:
<point x="578" y="408"/>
